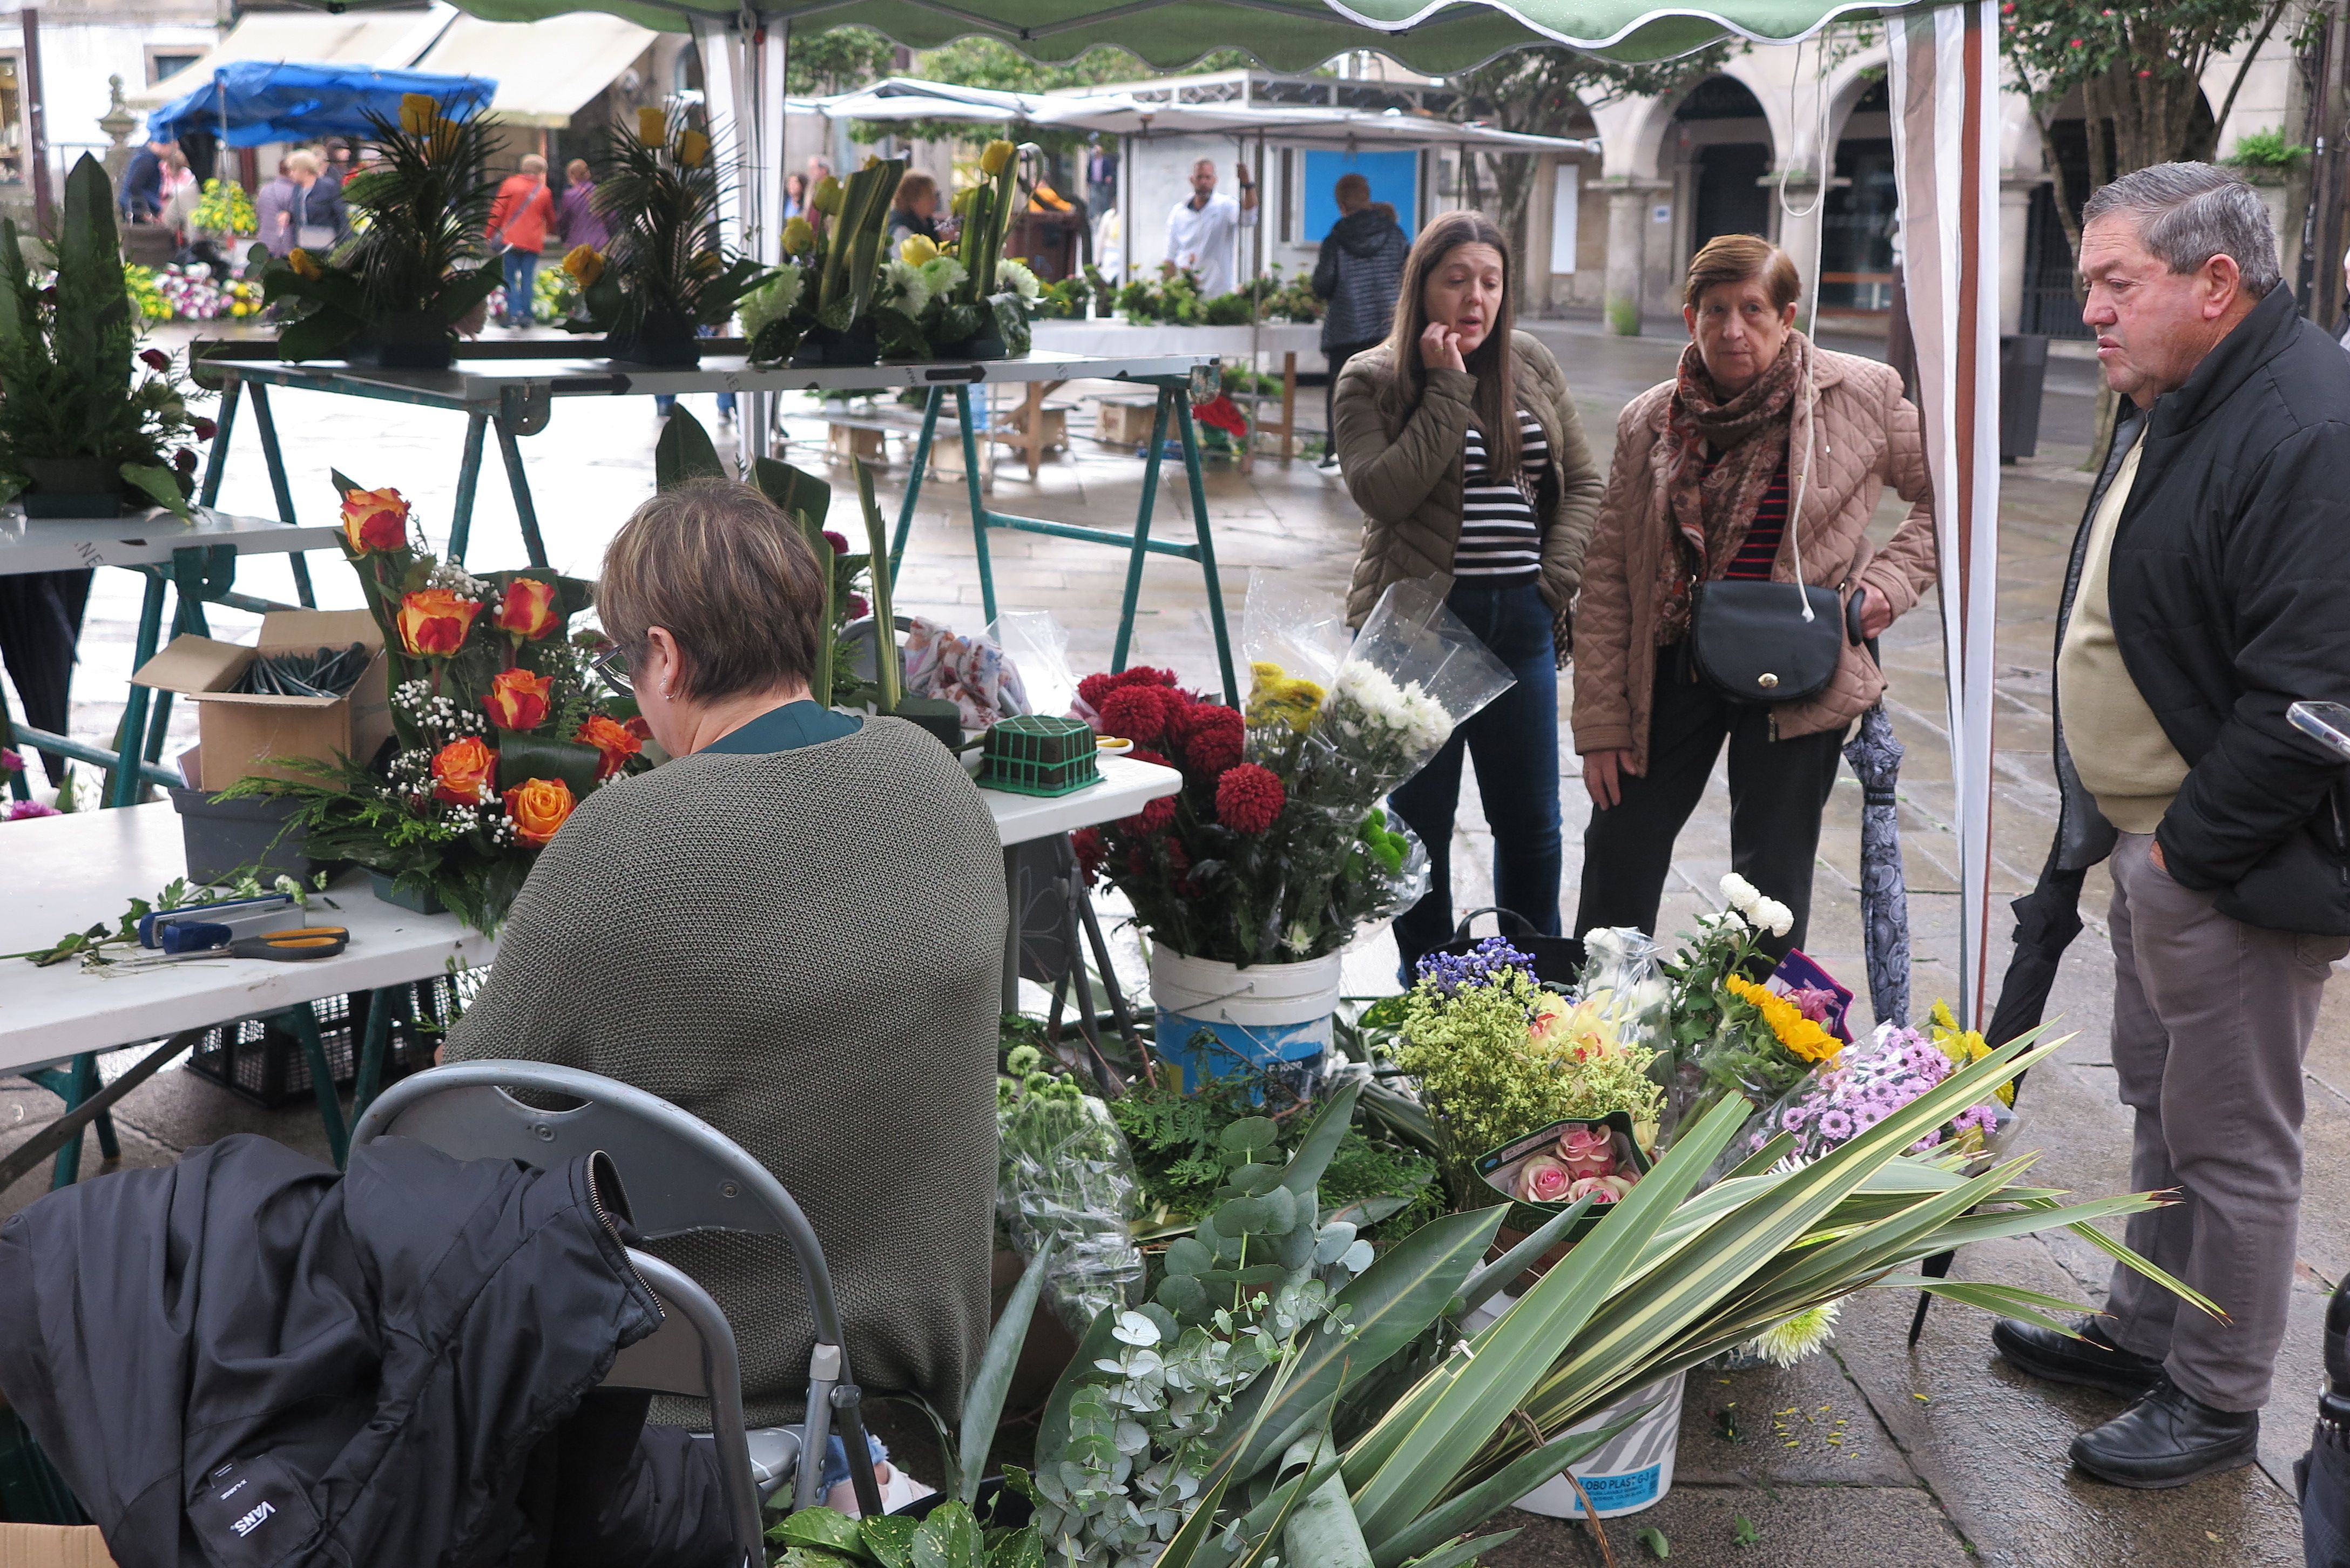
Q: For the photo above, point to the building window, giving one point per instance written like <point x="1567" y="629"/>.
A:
<point x="12" y="121"/>
<point x="162" y="63"/>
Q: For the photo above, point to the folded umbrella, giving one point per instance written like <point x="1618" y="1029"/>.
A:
<point x="1876" y="758"/>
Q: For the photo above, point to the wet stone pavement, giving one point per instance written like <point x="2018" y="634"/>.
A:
<point x="1870" y="1456"/>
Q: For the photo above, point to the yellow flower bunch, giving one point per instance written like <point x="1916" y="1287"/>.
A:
<point x="917" y="249"/>
<point x="693" y="148"/>
<point x="825" y="199"/>
<point x="652" y="125"/>
<point x="1277" y="697"/>
<point x="585" y="264"/>
<point x="992" y="160"/>
<point x="304" y="263"/>
<point x="799" y="237"/>
<point x="1963" y="1045"/>
<point x="416" y="112"/>
<point x="1801" y="1036"/>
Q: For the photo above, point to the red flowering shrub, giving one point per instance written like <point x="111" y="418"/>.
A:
<point x="1249" y="798"/>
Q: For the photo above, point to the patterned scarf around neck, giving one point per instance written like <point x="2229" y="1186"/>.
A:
<point x="1711" y="510"/>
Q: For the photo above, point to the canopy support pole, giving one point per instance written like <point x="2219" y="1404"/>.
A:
<point x="1944" y="72"/>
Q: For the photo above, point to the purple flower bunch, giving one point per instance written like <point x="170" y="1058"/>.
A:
<point x="1481" y="965"/>
<point x="1870" y="1082"/>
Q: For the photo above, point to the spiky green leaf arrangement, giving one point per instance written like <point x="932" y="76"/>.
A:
<point x="668" y="268"/>
<point x="73" y="381"/>
<point x="420" y="251"/>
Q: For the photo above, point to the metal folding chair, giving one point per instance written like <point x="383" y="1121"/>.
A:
<point x="681" y="1174"/>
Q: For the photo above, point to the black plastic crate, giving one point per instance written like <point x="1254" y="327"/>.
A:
<point x="258" y="1061"/>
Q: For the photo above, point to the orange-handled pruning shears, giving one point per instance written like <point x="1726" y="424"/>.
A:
<point x="292" y="947"/>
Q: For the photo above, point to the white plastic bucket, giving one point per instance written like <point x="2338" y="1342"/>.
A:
<point x="1265" y="1016"/>
<point x="1632" y="1471"/>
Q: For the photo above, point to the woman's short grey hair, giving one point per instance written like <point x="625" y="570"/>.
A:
<point x="2186" y="214"/>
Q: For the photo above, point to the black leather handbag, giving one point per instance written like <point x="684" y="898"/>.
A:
<point x="1750" y="642"/>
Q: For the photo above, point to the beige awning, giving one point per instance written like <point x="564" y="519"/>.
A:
<point x="390" y="39"/>
<point x="546" y="71"/>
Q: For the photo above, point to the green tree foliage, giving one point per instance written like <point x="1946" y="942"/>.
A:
<point x="2139" y="72"/>
<point x="839" y="59"/>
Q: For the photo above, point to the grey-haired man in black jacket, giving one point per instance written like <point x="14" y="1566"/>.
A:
<point x="2209" y="589"/>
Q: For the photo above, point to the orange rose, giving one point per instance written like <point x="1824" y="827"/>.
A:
<point x="539" y="806"/>
<point x="375" y="520"/>
<point x="610" y="738"/>
<point x="527" y="608"/>
<point x="637" y="727"/>
<point x="518" y="700"/>
<point x="462" y="771"/>
<point x="433" y="621"/>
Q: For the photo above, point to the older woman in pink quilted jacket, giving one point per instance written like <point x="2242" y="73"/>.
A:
<point x="1707" y="466"/>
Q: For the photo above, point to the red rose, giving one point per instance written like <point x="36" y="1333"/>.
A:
<point x="185" y="459"/>
<point x="518" y="700"/>
<point x="637" y="727"/>
<point x="205" y="429"/>
<point x="612" y="740"/>
<point x="858" y="607"/>
<point x="375" y="520"/>
<point x="1249" y="798"/>
<point x="1091" y="851"/>
<point x="1137" y="712"/>
<point x="526" y="609"/>
<point x="155" y="358"/>
<point x="1213" y="738"/>
<point x="839" y="542"/>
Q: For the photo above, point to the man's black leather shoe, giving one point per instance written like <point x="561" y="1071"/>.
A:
<point x="2094" y="1361"/>
<point x="2169" y="1438"/>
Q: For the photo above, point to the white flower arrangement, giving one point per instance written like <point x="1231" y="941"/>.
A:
<point x="1748" y="902"/>
<point x="942" y="276"/>
<point x="1365" y="702"/>
<point x="903" y="287"/>
<point x="1016" y="277"/>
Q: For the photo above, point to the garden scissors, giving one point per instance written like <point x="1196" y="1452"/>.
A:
<point x="293" y="946"/>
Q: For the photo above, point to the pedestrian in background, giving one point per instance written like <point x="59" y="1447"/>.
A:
<point x="1461" y="443"/>
<point x="582" y="225"/>
<point x="1359" y="272"/>
<point x="520" y="216"/>
<point x="141" y="196"/>
<point x="2205" y="596"/>
<point x="314" y="207"/>
<point x="273" y="210"/>
<point x="1700" y="492"/>
<point x="796" y="191"/>
<point x="1203" y="229"/>
<point x="914" y="211"/>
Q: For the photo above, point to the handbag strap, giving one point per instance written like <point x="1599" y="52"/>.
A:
<point x="1526" y="927"/>
<point x="1802" y="483"/>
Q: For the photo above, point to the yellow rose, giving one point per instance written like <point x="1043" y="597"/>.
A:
<point x="992" y="161"/>
<point x="652" y="125"/>
<point x="827" y="199"/>
<point x="693" y="148"/>
<point x="917" y="250"/>
<point x="585" y="264"/>
<point x="304" y="265"/>
<point x="799" y="237"/>
<point x="416" y="112"/>
<point x="537" y="807"/>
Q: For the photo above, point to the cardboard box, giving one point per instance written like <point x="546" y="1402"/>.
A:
<point x="1126" y="421"/>
<point x="846" y="441"/>
<point x="238" y="731"/>
<point x="53" y="1546"/>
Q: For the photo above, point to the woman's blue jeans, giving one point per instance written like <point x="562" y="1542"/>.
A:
<point x="521" y="275"/>
<point x="1514" y="739"/>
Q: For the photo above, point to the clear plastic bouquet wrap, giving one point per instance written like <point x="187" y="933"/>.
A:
<point x="1622" y="972"/>
<point x="1067" y="1177"/>
<point x="1868" y="1082"/>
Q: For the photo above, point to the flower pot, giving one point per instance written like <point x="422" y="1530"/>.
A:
<point x="1266" y="1018"/>
<point x="860" y="345"/>
<point x="660" y="339"/>
<point x="1630" y="1472"/>
<point x="985" y="344"/>
<point x="72" y="487"/>
<point x="387" y="889"/>
<point x="404" y="340"/>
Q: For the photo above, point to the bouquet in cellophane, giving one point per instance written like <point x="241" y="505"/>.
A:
<point x="500" y="722"/>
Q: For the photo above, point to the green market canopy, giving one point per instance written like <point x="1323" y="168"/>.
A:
<point x="1944" y="81"/>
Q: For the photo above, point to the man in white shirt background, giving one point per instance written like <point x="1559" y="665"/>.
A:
<point x="1201" y="232"/>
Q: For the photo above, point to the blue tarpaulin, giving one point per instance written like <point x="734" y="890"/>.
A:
<point x="274" y="100"/>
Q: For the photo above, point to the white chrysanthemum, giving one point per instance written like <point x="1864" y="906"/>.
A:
<point x="1786" y="1344"/>
<point x="1772" y="916"/>
<point x="1740" y="893"/>
<point x="1015" y="276"/>
<point x="771" y="300"/>
<point x="903" y="287"/>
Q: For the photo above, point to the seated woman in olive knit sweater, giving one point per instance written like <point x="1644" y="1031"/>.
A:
<point x="793" y="928"/>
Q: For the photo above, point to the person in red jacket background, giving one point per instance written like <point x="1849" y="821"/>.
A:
<point x="519" y="220"/>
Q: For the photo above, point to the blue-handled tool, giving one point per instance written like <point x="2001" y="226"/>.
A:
<point x="238" y="914"/>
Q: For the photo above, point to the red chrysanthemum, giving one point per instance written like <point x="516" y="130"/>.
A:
<point x="1137" y="712"/>
<point x="1249" y="798"/>
<point x="1213" y="737"/>
<point x="1154" y="818"/>
<point x="1094" y="687"/>
<point x="1145" y="755"/>
<point x="1091" y="851"/>
<point x="1143" y="675"/>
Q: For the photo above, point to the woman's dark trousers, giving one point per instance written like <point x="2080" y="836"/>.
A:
<point x="1514" y="739"/>
<point x="1777" y="791"/>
